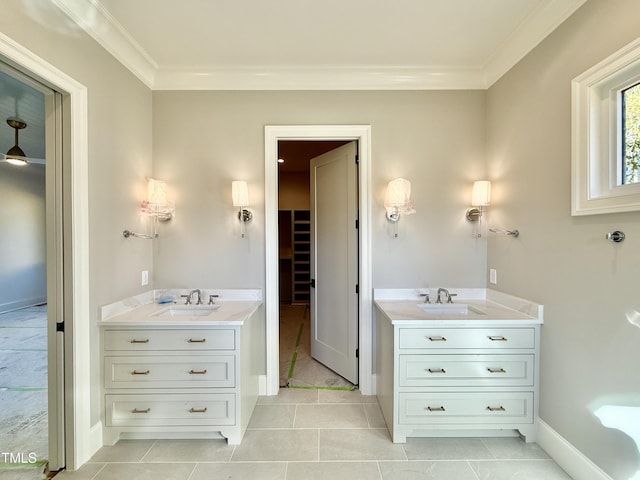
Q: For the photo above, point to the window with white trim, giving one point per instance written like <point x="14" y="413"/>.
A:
<point x="606" y="135"/>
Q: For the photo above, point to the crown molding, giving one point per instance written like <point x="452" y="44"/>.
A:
<point x="92" y="17"/>
<point x="535" y="28"/>
<point x="320" y="78"/>
<point x="107" y="31"/>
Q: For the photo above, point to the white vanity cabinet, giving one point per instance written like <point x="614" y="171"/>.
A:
<point x="179" y="381"/>
<point x="444" y="376"/>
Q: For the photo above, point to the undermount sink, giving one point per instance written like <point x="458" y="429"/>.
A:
<point x="187" y="311"/>
<point x="449" y="308"/>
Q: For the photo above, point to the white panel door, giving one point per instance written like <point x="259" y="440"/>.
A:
<point x="334" y="261"/>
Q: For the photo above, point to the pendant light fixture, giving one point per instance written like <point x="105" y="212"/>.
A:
<point x="15" y="155"/>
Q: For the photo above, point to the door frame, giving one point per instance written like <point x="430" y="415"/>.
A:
<point x="273" y="134"/>
<point x="81" y="441"/>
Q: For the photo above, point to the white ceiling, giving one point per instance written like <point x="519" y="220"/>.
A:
<point x="311" y="44"/>
<point x="23" y="102"/>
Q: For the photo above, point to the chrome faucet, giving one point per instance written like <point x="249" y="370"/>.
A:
<point x="448" y="295"/>
<point x="197" y="290"/>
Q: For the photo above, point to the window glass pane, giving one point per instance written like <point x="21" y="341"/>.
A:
<point x="631" y="134"/>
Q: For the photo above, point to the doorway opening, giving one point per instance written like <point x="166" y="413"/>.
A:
<point x="298" y="366"/>
<point x="341" y="133"/>
<point x="69" y="118"/>
<point x="32" y="421"/>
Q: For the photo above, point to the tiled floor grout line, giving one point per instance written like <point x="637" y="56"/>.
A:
<point x="104" y="465"/>
<point x="192" y="471"/>
<point x="472" y="470"/>
<point x="147" y="452"/>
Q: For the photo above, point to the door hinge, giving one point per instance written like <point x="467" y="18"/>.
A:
<point x="357" y="159"/>
<point x="357" y="353"/>
<point x="357" y="288"/>
<point x="357" y="224"/>
<point x="312" y="283"/>
<point x="60" y="327"/>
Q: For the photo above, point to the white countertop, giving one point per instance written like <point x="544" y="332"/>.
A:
<point x="234" y="308"/>
<point x="402" y="307"/>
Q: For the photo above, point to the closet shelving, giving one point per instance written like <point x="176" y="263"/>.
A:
<point x="301" y="255"/>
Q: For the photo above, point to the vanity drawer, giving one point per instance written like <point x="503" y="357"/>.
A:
<point x="466" y="370"/>
<point x="150" y="340"/>
<point x="170" y="410"/>
<point x="477" y="338"/>
<point x="169" y="372"/>
<point x="465" y="408"/>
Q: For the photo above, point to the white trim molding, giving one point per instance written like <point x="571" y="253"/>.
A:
<point x="78" y="423"/>
<point x="96" y="20"/>
<point x="572" y="460"/>
<point x="273" y="134"/>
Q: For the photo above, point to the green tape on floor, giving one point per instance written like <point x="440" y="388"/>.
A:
<point x="304" y="387"/>
<point x="299" y="335"/>
<point x="25" y="465"/>
<point x="295" y="357"/>
<point x="293" y="365"/>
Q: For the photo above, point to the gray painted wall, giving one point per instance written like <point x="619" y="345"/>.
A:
<point x="22" y="239"/>
<point x="590" y="353"/>
<point x="204" y="140"/>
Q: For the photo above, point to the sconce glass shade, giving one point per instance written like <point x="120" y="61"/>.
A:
<point x="239" y="193"/>
<point x="240" y="198"/>
<point x="397" y="201"/>
<point x="155" y="206"/>
<point x="398" y="193"/>
<point x="398" y="198"/>
<point x="156" y="192"/>
<point x="481" y="193"/>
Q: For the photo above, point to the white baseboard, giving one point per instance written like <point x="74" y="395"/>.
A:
<point x="262" y="385"/>
<point x="95" y="438"/>
<point x="572" y="461"/>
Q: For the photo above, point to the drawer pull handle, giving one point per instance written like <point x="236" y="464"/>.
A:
<point x="137" y="372"/>
<point x="197" y="372"/>
<point x="436" y="370"/>
<point x="146" y="340"/>
<point x="199" y="340"/>
<point x="146" y="410"/>
<point x="497" y="409"/>
<point x="496" y="370"/>
<point x="198" y="410"/>
<point x="497" y="338"/>
<point x="437" y="339"/>
<point x="436" y="409"/>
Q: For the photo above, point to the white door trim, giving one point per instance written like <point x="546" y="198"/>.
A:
<point x="273" y="134"/>
<point x="79" y="447"/>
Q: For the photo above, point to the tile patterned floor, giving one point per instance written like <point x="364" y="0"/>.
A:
<point x="317" y="435"/>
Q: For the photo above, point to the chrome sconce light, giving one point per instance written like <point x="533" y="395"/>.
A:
<point x="397" y="201"/>
<point x="480" y="197"/>
<point x="155" y="206"/>
<point x="240" y="197"/>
